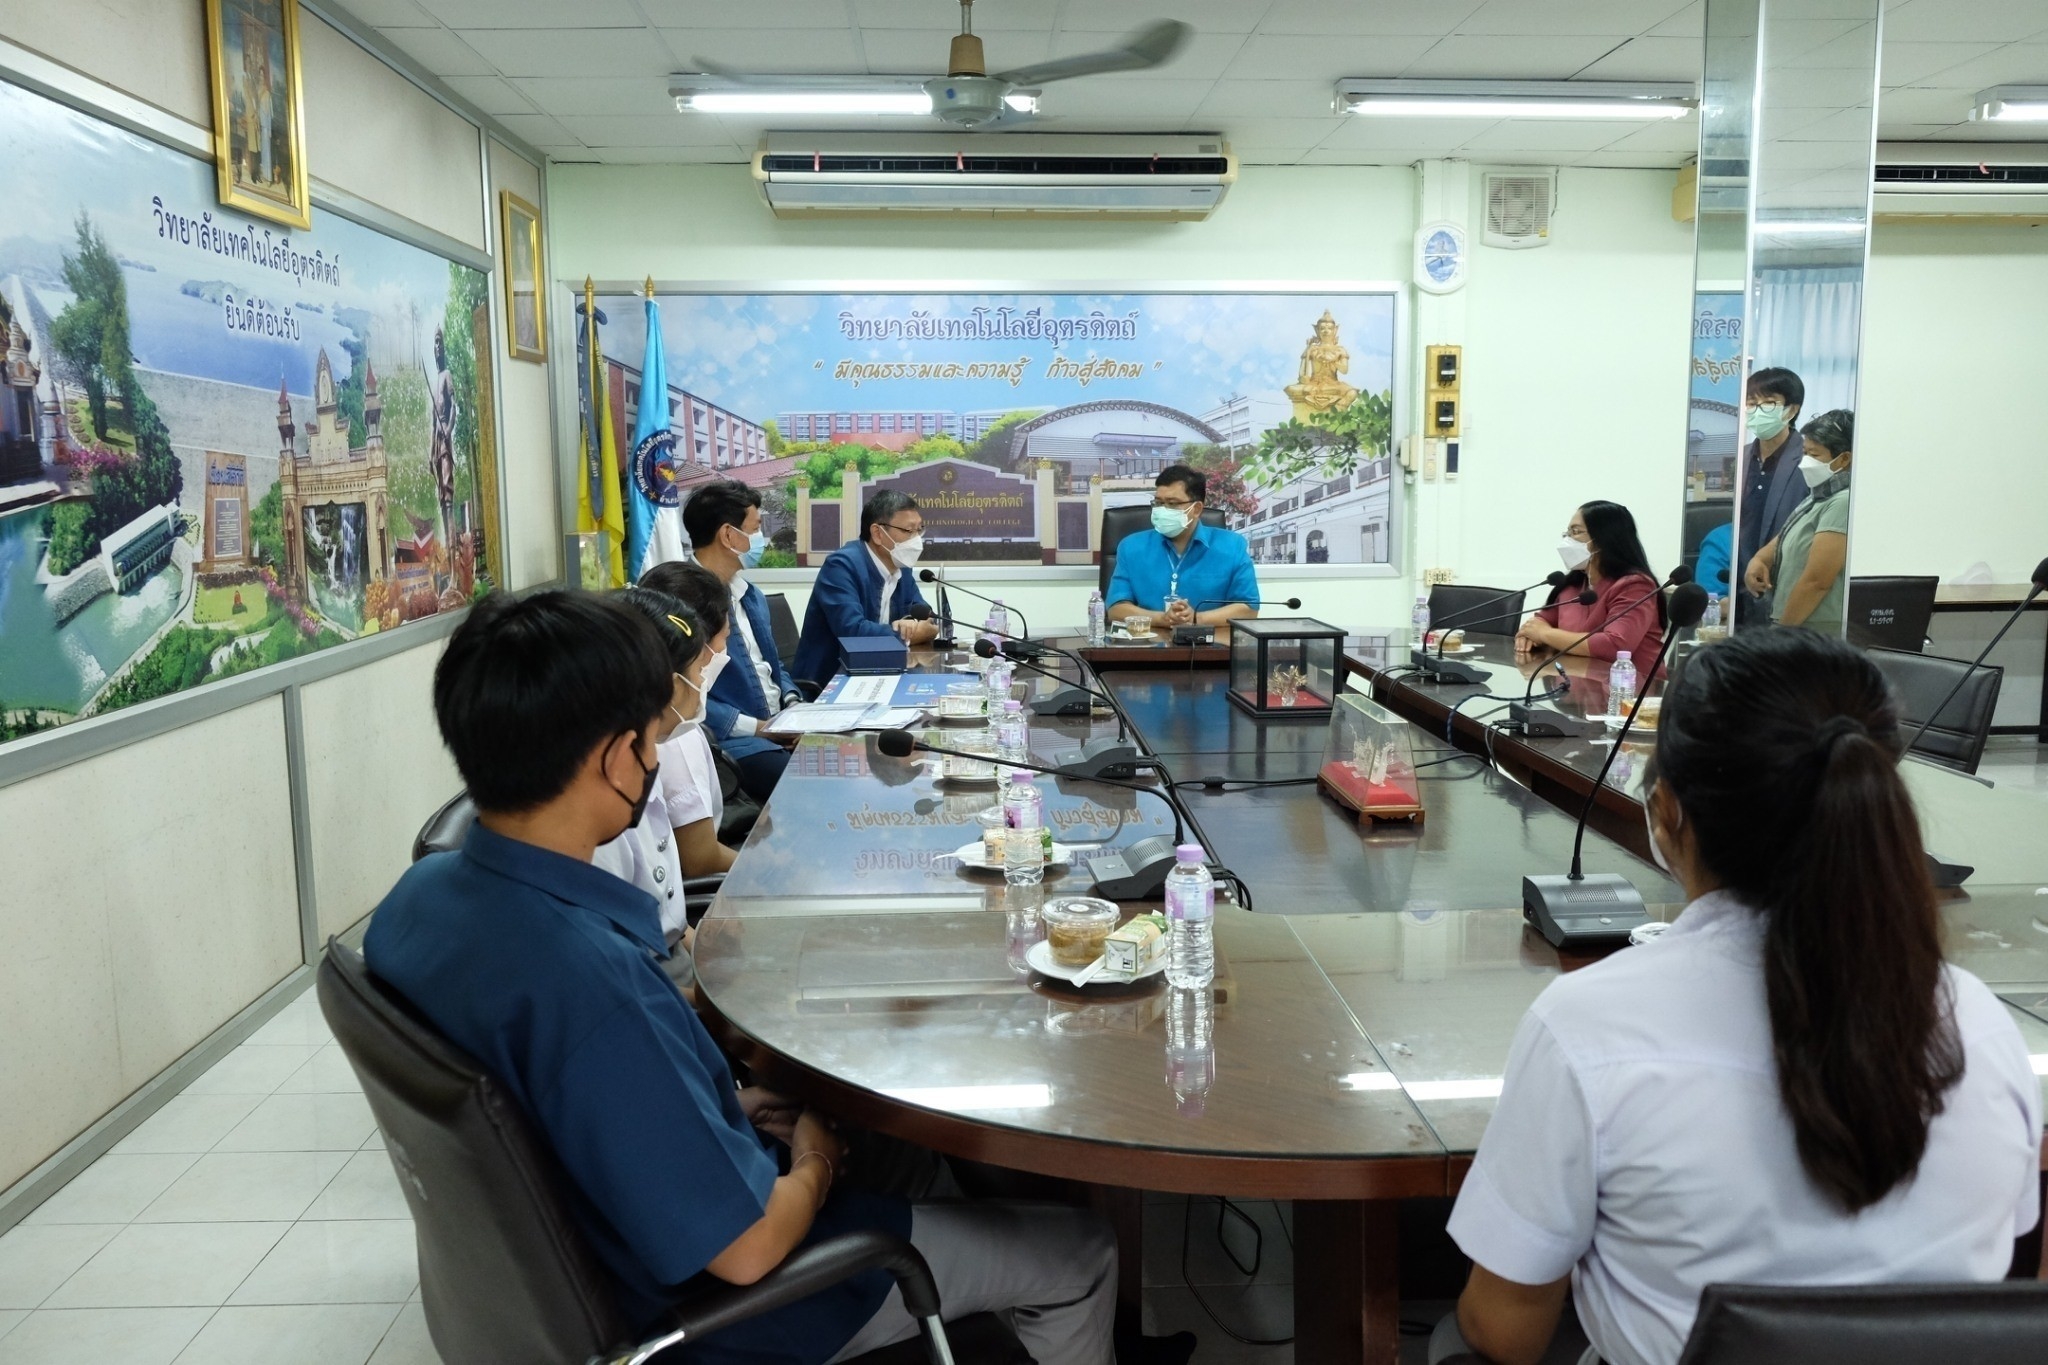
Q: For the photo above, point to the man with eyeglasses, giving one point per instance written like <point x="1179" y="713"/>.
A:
<point x="1771" y="487"/>
<point x="867" y="587"/>
<point x="1181" y="572"/>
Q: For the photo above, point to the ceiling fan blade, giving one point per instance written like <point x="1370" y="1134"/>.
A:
<point x="1152" y="45"/>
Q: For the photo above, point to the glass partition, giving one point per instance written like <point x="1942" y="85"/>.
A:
<point x="1787" y="141"/>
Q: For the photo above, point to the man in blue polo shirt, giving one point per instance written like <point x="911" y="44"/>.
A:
<point x="1182" y="573"/>
<point x="548" y="971"/>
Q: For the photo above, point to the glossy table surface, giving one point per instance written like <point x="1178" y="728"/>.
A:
<point x="1361" y="1017"/>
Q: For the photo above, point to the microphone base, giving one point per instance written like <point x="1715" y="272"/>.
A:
<point x="1062" y="701"/>
<point x="1547" y="722"/>
<point x="1137" y="873"/>
<point x="1448" y="670"/>
<point x="1947" y="876"/>
<point x="1106" y="757"/>
<point x="1024" y="649"/>
<point x="1194" y="635"/>
<point x="1596" y="911"/>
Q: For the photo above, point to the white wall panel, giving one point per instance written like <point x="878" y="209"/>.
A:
<point x="533" y="530"/>
<point x="375" y="770"/>
<point x="149" y="897"/>
<point x="153" y="50"/>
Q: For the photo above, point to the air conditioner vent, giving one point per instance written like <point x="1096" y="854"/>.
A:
<point x="1069" y="167"/>
<point x="1950" y="177"/>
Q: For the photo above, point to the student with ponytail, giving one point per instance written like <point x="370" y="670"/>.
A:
<point x="1790" y="1086"/>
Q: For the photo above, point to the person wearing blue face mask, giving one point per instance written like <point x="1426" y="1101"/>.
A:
<point x="723" y="520"/>
<point x="1771" y="487"/>
<point x="1181" y="572"/>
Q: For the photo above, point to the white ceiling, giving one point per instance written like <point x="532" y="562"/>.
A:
<point x="587" y="79"/>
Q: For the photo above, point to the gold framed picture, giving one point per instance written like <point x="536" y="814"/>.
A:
<point x="259" y="108"/>
<point x="526" y="324"/>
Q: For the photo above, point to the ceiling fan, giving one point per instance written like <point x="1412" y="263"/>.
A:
<point x="967" y="96"/>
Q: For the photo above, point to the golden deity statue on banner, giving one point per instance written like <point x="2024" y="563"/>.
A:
<point x="1322" y="361"/>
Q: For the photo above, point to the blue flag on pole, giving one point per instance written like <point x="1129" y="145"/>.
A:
<point x="654" y="512"/>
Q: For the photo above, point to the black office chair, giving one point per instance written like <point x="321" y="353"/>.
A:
<point x="506" y="1277"/>
<point x="1891" y="613"/>
<point x="1873" y="1324"/>
<point x="1700" y="518"/>
<point x="741" y="810"/>
<point x="447" y="827"/>
<point x="1118" y="522"/>
<point x="1920" y="681"/>
<point x="782" y="621"/>
<point x="1448" y="603"/>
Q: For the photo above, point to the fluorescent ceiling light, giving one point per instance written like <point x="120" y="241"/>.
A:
<point x="1647" y="101"/>
<point x="976" y="1096"/>
<point x="2011" y="104"/>
<point x="914" y="103"/>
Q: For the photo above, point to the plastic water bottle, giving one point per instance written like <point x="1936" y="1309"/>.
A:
<point x="1190" y="1048"/>
<point x="1419" y="621"/>
<point x="1621" y="684"/>
<point x="992" y="628"/>
<point x="1190" y="920"/>
<point x="996" y="684"/>
<point x="999" y="617"/>
<point x="1098" y="618"/>
<point x="1024" y="817"/>
<point x="1013" y="740"/>
<point x="1712" y="615"/>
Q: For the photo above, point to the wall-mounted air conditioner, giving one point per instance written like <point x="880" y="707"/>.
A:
<point x="1951" y="179"/>
<point x="1171" y="176"/>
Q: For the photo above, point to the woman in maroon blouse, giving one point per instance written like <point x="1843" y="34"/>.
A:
<point x="1602" y="553"/>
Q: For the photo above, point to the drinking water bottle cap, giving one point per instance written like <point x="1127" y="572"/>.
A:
<point x="1022" y="778"/>
<point x="1013" y="705"/>
<point x="1188" y="853"/>
<point x="1622" y="656"/>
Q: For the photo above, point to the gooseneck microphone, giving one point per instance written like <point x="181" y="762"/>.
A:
<point x="1552" y="580"/>
<point x="1433" y="664"/>
<point x="1072" y="698"/>
<point x="1195" y="633"/>
<point x="1577" y="911"/>
<point x="1136" y="873"/>
<point x="1946" y="874"/>
<point x="927" y="576"/>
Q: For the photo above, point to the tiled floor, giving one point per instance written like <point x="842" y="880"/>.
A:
<point x="252" y="1219"/>
<point x="255" y="1218"/>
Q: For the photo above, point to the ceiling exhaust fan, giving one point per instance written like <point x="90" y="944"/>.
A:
<point x="967" y="96"/>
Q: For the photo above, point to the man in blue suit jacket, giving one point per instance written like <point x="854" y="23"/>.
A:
<point x="859" y="578"/>
<point x="723" y="520"/>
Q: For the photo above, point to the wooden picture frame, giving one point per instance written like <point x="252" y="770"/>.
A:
<point x="526" y="323"/>
<point x="259" y="108"/>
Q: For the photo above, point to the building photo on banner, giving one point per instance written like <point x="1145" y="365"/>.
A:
<point x="1013" y="418"/>
<point x="222" y="444"/>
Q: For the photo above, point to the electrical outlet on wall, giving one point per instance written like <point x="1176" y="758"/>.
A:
<point x="1433" y="578"/>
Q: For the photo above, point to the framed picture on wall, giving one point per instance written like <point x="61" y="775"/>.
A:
<point x="259" y="111"/>
<point x="526" y="332"/>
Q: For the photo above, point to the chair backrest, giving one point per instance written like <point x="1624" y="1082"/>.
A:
<point x="446" y="828"/>
<point x="1873" y="1324"/>
<point x="1700" y="518"/>
<point x="782" y="621"/>
<point x="1448" y="603"/>
<point x="1891" y="613"/>
<point x="1920" y="681"/>
<point x="1118" y="522"/>
<point x="506" y="1277"/>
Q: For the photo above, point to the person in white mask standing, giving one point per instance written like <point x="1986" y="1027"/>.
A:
<point x="867" y="587"/>
<point x="1802" y="569"/>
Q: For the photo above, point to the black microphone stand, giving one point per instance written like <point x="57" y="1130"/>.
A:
<point x="927" y="576"/>
<point x="1577" y="911"/>
<point x="1137" y="873"/>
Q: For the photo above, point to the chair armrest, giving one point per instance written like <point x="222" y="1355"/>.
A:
<point x="808" y="689"/>
<point x="801" y="1275"/>
<point x="706" y="885"/>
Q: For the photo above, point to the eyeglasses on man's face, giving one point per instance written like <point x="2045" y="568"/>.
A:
<point x="905" y="531"/>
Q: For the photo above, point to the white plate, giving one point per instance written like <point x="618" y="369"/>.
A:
<point x="970" y="855"/>
<point x="1039" y="956"/>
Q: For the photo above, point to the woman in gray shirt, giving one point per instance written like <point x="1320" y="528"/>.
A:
<point x="1803" y="566"/>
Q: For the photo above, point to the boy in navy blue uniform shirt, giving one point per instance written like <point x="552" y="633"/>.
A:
<point x="548" y="971"/>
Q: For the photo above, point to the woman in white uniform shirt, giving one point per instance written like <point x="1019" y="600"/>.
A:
<point x="1789" y="1087"/>
<point x="696" y="804"/>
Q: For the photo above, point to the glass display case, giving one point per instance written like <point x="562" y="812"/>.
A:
<point x="1285" y="668"/>
<point x="1370" y="765"/>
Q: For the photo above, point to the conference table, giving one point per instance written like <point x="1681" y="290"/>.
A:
<point x="1349" y="1052"/>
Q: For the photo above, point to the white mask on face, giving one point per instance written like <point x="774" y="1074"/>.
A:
<point x="908" y="553"/>
<point x="1575" y="553"/>
<point x="712" y="668"/>
<point x="1657" y="849"/>
<point x="1815" y="472"/>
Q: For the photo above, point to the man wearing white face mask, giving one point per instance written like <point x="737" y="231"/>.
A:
<point x="1183" y="572"/>
<point x="1771" y="487"/>
<point x="868" y="587"/>
<point x="723" y="520"/>
<point x="1802" y="569"/>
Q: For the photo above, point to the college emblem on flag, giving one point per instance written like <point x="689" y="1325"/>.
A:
<point x="654" y="469"/>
